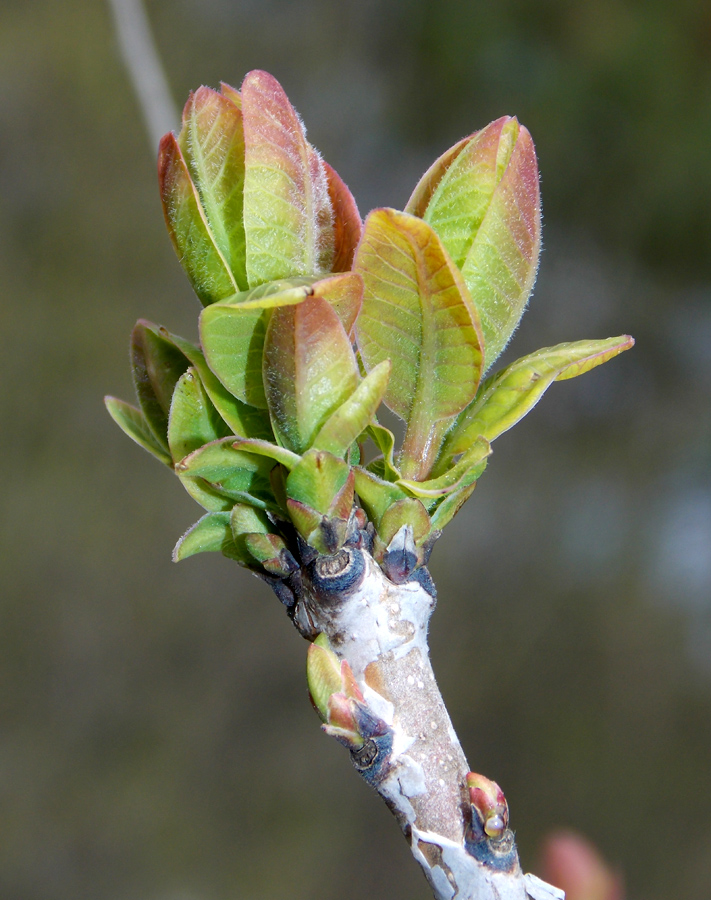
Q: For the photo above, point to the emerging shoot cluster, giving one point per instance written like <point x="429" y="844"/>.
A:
<point x="312" y="319"/>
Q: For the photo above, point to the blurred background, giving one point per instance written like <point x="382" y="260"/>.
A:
<point x="156" y="741"/>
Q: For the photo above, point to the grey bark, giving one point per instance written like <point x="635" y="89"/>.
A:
<point x="417" y="765"/>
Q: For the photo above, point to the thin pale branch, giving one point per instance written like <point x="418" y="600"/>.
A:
<point x="140" y="56"/>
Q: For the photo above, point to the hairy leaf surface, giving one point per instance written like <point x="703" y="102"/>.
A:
<point x="287" y="210"/>
<point x="345" y="425"/>
<point x="500" y="267"/>
<point x="194" y="242"/>
<point x="133" y="423"/>
<point x="345" y="294"/>
<point x="309" y="370"/>
<point x="482" y="199"/>
<point x="417" y="313"/>
<point x="210" y="534"/>
<point x="347" y="223"/>
<point x="241" y="476"/>
<point x="507" y="396"/>
<point x="232" y="335"/>
<point x="241" y="419"/>
<point x="212" y="143"/>
<point x="427" y="185"/>
<point x="156" y="365"/>
<point x="193" y="421"/>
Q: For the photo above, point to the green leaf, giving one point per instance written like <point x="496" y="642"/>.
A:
<point x="309" y="370"/>
<point x="287" y="210"/>
<point x="323" y="674"/>
<point x="157" y="365"/>
<point x="212" y="143"/>
<point x="232" y="335"/>
<point x="241" y="419"/>
<point x="501" y="266"/>
<point x="384" y="440"/>
<point x="193" y="421"/>
<point x="405" y="512"/>
<point x="189" y="230"/>
<point x="133" y="423"/>
<point x="252" y="532"/>
<point x="469" y="468"/>
<point x="308" y="523"/>
<point x="486" y="209"/>
<point x="345" y="294"/>
<point x="247" y="520"/>
<point x="270" y="552"/>
<point x="421" y="196"/>
<point x="231" y="93"/>
<point x="233" y="473"/>
<point x="376" y="495"/>
<point x="270" y="451"/>
<point x="318" y="480"/>
<point x="452" y="503"/>
<point x="507" y="396"/>
<point x="459" y="202"/>
<point x="210" y="534"/>
<point x="417" y="312"/>
<point x="210" y="496"/>
<point x="347" y="223"/>
<point x="345" y="425"/>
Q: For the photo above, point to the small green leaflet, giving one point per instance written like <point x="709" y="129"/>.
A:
<point x="506" y="397"/>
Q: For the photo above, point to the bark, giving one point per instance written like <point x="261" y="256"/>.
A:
<point x="412" y="756"/>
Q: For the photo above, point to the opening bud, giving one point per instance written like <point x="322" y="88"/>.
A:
<point x="488" y="801"/>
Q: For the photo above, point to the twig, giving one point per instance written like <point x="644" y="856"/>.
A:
<point x="142" y="61"/>
<point x="392" y="718"/>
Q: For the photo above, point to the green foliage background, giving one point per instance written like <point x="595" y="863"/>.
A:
<point x="156" y="740"/>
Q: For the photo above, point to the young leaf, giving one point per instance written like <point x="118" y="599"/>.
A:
<point x="287" y="211"/>
<point x="193" y="421"/>
<point x="461" y="198"/>
<point x="212" y="533"/>
<point x="417" y="312"/>
<point x="269" y="551"/>
<point x="468" y="469"/>
<point x="318" y="480"/>
<point x="345" y="294"/>
<point x="232" y="472"/>
<point x="269" y="451"/>
<point x="376" y="496"/>
<point x="133" y="423"/>
<point x="212" y="143"/>
<point x="452" y="503"/>
<point x="241" y="419"/>
<point x="405" y="512"/>
<point x="484" y="204"/>
<point x="318" y="496"/>
<point x="210" y="496"/>
<point x="189" y="230"/>
<point x="323" y="674"/>
<point x="157" y="365"/>
<point x="231" y="93"/>
<point x="347" y="223"/>
<point x="344" y="426"/>
<point x="384" y="440"/>
<point x="501" y="266"/>
<point x="421" y="196"/>
<point x="309" y="370"/>
<point x="507" y="396"/>
<point x="247" y="520"/>
<point x="232" y="335"/>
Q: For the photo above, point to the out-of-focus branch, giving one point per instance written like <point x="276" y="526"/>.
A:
<point x="142" y="61"/>
<point x="571" y="861"/>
